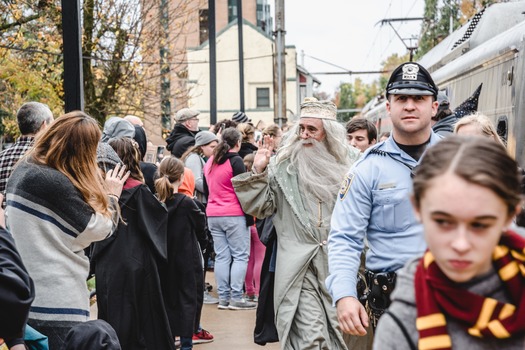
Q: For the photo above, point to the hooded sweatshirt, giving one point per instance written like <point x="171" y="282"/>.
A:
<point x="222" y="200"/>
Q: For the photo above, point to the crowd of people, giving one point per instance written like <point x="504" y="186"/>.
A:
<point x="341" y="238"/>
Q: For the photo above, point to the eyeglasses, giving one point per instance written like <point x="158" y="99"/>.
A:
<point x="310" y="131"/>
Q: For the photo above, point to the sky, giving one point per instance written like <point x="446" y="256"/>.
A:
<point x="346" y="33"/>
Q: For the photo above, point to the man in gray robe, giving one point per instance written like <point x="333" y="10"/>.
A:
<point x="300" y="185"/>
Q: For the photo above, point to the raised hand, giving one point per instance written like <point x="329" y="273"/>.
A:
<point x="115" y="179"/>
<point x="265" y="151"/>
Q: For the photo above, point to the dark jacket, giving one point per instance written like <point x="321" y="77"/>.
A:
<point x="149" y="170"/>
<point x="126" y="266"/>
<point x="92" y="335"/>
<point x="445" y="126"/>
<point x="16" y="291"/>
<point x="180" y="140"/>
<point x="247" y="148"/>
<point x="183" y="280"/>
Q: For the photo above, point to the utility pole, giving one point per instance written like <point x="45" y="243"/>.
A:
<point x="279" y="66"/>
<point x="411" y="49"/>
<point x="74" y="77"/>
<point x="165" y="81"/>
<point x="241" y="54"/>
<point x="213" y="61"/>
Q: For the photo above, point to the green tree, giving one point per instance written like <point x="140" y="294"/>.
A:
<point x="27" y="72"/>
<point x="354" y="96"/>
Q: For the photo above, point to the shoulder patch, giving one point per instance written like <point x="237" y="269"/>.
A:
<point x="345" y="185"/>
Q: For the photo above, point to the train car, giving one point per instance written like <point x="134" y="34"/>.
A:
<point x="488" y="50"/>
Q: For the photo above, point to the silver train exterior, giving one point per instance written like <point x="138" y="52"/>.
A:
<point x="488" y="50"/>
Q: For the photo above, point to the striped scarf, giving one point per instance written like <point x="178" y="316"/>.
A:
<point x="484" y="317"/>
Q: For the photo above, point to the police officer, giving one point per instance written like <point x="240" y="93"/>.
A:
<point x="374" y="203"/>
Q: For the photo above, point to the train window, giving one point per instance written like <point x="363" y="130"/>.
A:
<point x="502" y="128"/>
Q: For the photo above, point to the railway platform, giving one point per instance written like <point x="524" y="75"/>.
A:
<point x="230" y="329"/>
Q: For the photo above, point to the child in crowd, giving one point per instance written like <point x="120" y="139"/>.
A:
<point x="186" y="225"/>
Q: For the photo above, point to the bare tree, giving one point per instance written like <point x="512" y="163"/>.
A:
<point x="121" y="46"/>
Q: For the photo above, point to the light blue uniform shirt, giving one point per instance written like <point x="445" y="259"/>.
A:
<point x="374" y="201"/>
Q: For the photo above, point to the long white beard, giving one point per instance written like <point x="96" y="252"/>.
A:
<point x="318" y="171"/>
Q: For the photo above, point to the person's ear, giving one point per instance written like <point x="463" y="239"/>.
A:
<point x="518" y="209"/>
<point x="416" y="208"/>
<point x="43" y="126"/>
<point x="373" y="142"/>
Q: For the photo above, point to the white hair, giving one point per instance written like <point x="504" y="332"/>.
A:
<point x="335" y="142"/>
<point x="320" y="167"/>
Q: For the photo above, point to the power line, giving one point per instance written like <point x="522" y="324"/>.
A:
<point x="352" y="72"/>
<point x="45" y="52"/>
<point x="345" y="70"/>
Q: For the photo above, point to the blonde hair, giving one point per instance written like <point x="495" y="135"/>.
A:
<point x="194" y="149"/>
<point x="271" y="130"/>
<point x="485" y="126"/>
<point x="246" y="130"/>
<point x="170" y="170"/>
<point x="69" y="145"/>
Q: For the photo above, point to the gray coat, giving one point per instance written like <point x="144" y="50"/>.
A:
<point x="304" y="315"/>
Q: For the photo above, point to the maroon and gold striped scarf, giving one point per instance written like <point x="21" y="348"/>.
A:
<point x="436" y="295"/>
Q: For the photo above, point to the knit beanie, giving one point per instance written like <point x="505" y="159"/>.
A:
<point x="107" y="158"/>
<point x="241" y="117"/>
<point x="205" y="137"/>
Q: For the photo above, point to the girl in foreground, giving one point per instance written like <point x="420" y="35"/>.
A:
<point x="468" y="290"/>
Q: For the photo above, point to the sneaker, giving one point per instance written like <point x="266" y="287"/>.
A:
<point x="202" y="337"/>
<point x="241" y="304"/>
<point x="253" y="298"/>
<point x="223" y="304"/>
<point x="208" y="299"/>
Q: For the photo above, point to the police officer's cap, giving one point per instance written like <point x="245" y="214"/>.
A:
<point x="411" y="78"/>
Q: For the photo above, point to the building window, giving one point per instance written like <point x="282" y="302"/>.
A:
<point x="232" y="10"/>
<point x="263" y="97"/>
<point x="203" y="25"/>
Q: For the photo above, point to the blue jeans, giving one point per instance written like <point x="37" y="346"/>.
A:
<point x="231" y="241"/>
<point x="186" y="343"/>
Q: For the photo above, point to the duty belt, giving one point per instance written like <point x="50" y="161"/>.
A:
<point x="373" y="290"/>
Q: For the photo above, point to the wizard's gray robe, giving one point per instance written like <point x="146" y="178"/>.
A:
<point x="304" y="315"/>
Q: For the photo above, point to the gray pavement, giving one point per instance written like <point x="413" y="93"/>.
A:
<point x="231" y="329"/>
